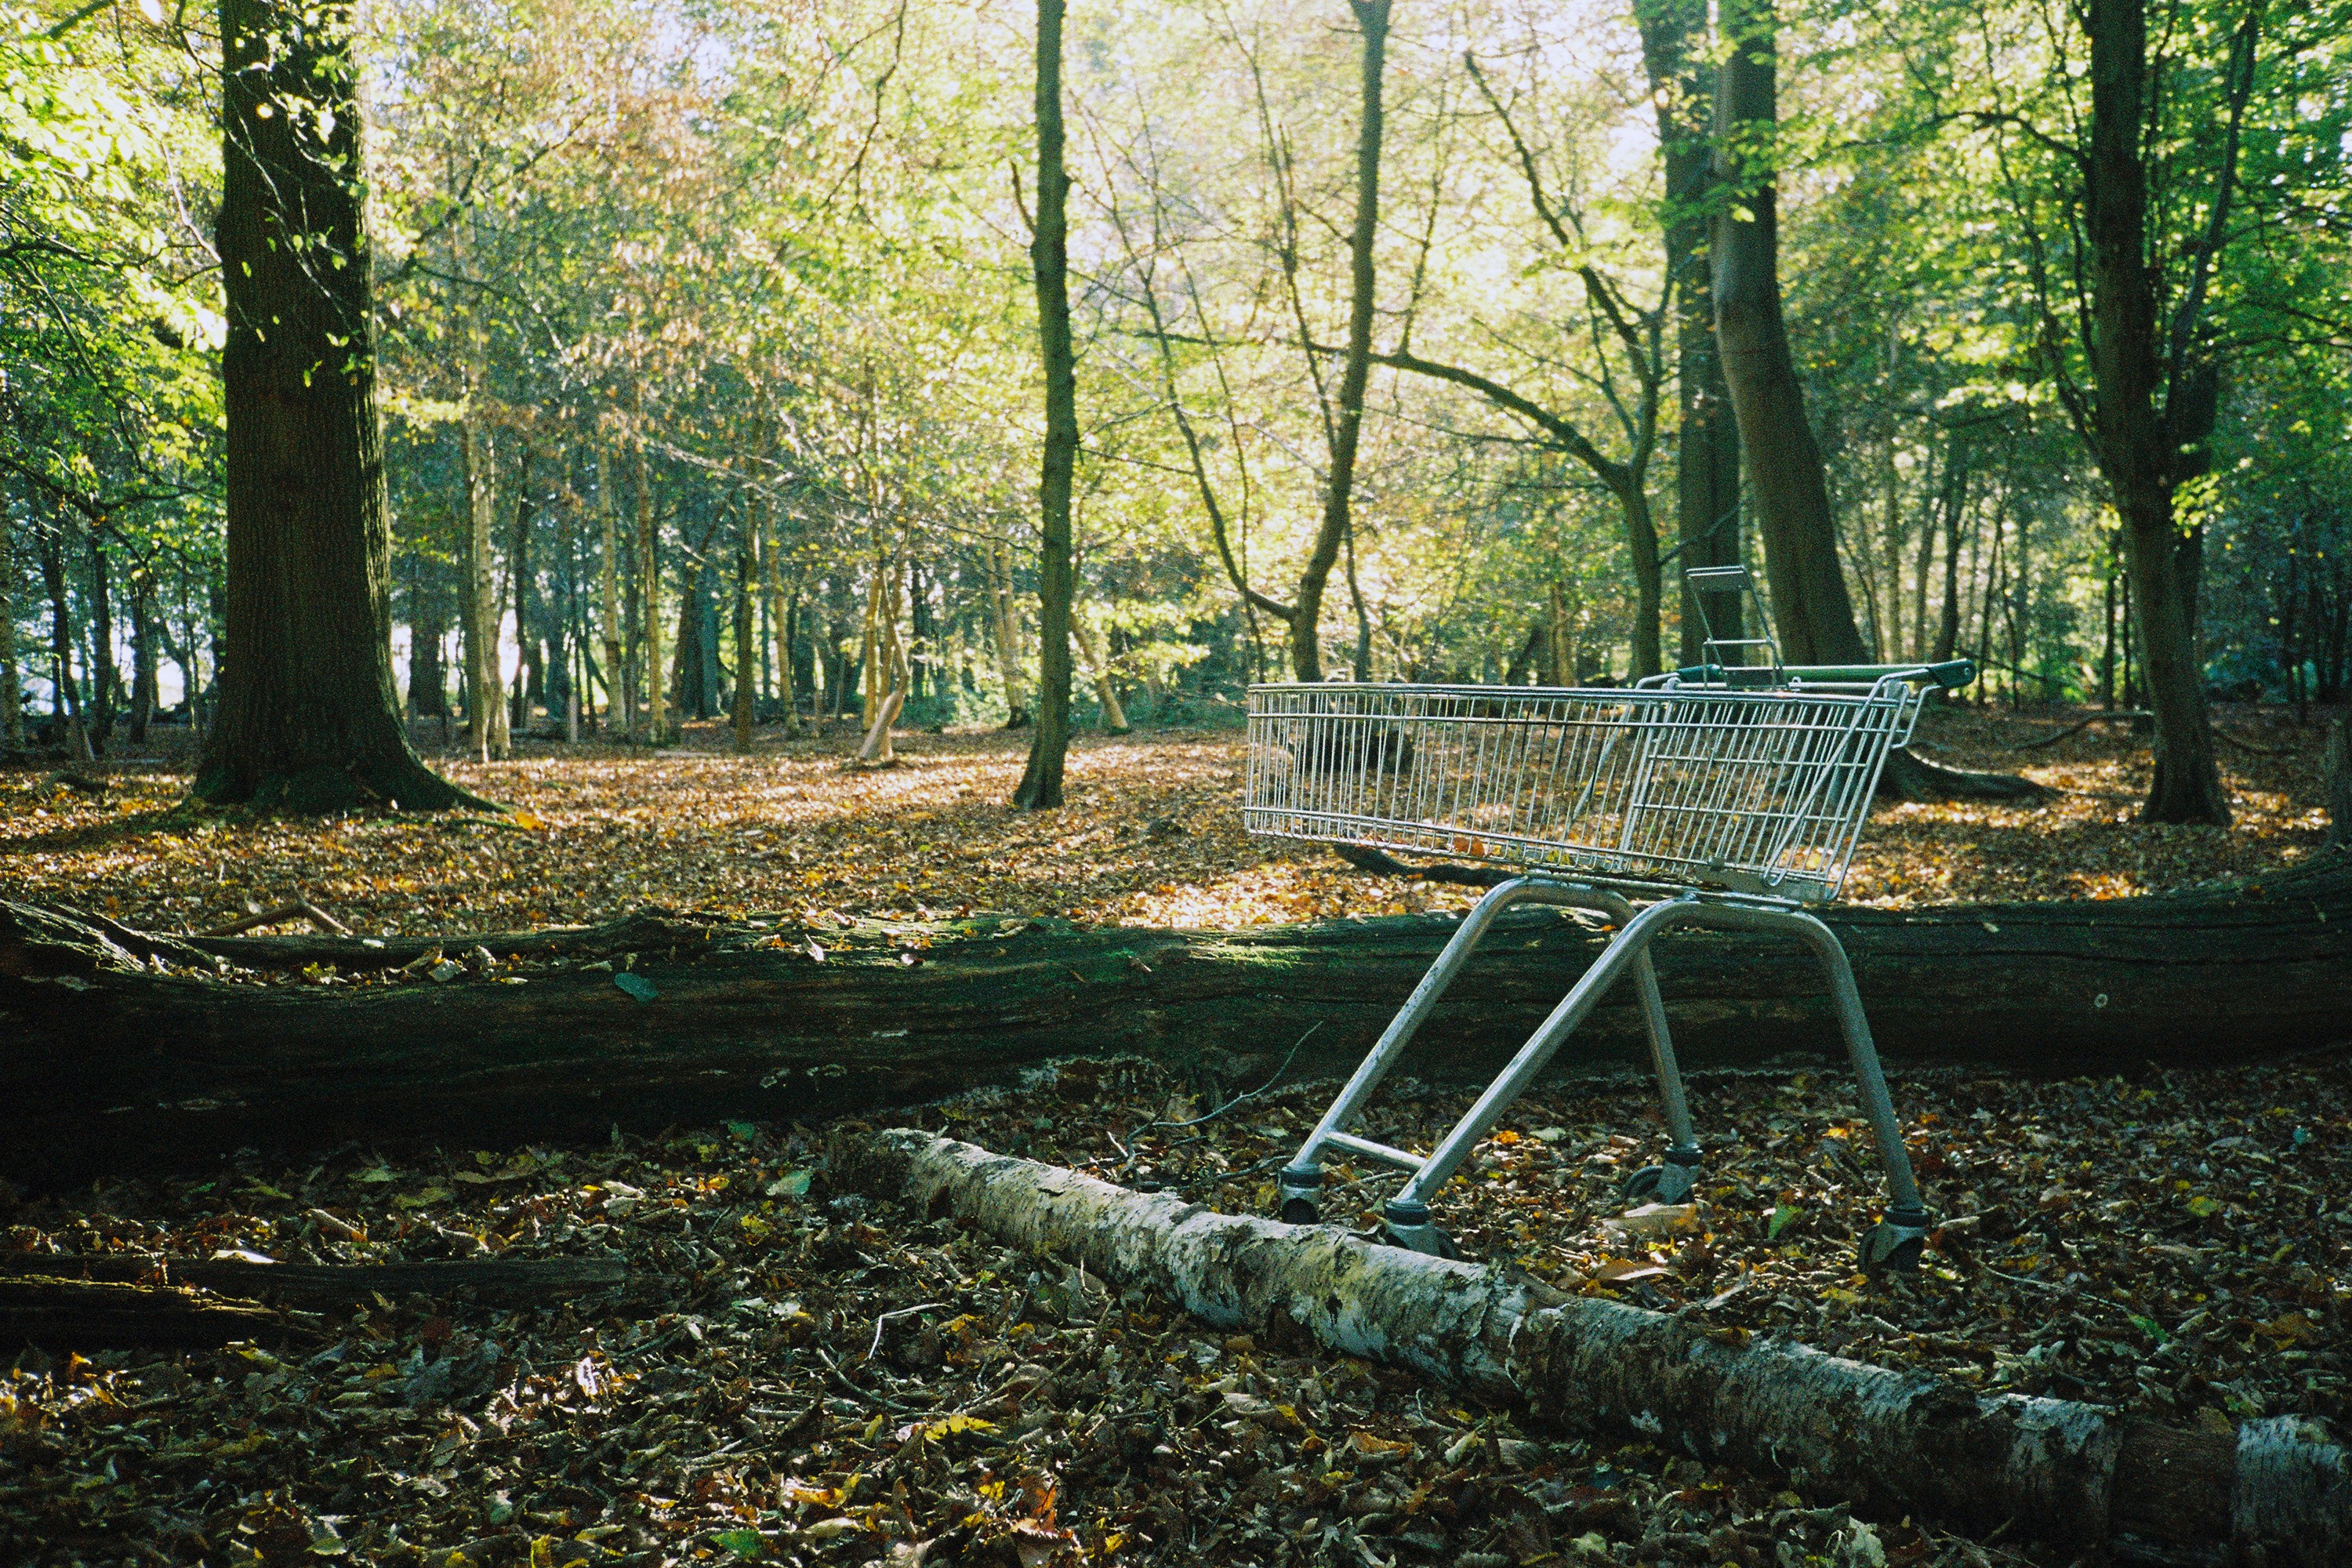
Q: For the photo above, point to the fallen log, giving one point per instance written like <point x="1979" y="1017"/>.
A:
<point x="122" y="1050"/>
<point x="2276" y="1491"/>
<point x="521" y="1279"/>
<point x="83" y="1315"/>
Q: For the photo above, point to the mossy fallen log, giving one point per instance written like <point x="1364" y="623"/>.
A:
<point x="2275" y="1492"/>
<point x="122" y="1050"/>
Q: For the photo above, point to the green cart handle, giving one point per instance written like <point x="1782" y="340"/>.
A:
<point x="1950" y="676"/>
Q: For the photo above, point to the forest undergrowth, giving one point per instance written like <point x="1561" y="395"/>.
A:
<point x="1152" y="835"/>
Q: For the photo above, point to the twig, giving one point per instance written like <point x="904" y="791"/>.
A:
<point x="1237" y="1100"/>
<point x="842" y="1379"/>
<point x="2075" y="729"/>
<point x="874" y="1349"/>
<point x="302" y="907"/>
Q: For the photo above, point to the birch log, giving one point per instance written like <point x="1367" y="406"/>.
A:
<point x="2278" y="1492"/>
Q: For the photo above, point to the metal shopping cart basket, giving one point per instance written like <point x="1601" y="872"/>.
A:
<point x="1727" y="795"/>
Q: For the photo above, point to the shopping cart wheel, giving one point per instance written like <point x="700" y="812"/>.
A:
<point x="1408" y="1225"/>
<point x="1658" y="1185"/>
<point x="1888" y="1248"/>
<point x="1301" y="1211"/>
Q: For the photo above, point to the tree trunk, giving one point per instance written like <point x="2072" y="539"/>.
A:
<point x="1007" y="634"/>
<point x="1707" y="477"/>
<point x="619" y="705"/>
<point x="1114" y="717"/>
<point x="428" y="624"/>
<point x="2337" y="771"/>
<point x="1955" y="505"/>
<point x="780" y="616"/>
<point x="488" y="733"/>
<point x="12" y="676"/>
<point x="144" y="693"/>
<point x="2136" y="449"/>
<point x="308" y="715"/>
<point x="523" y="591"/>
<point x="1040" y="781"/>
<point x="648" y="574"/>
<point x="1356" y="364"/>
<point x="107" y="1066"/>
<point x="1811" y="610"/>
<point x="1891" y="1442"/>
<point x="104" y="678"/>
<point x="747" y="650"/>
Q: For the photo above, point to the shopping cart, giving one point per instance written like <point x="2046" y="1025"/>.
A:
<point x="1727" y="795"/>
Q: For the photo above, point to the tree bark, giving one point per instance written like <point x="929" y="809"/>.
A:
<point x="1811" y="611"/>
<point x="2135" y="449"/>
<point x="106" y="1064"/>
<point x="1346" y="428"/>
<point x="1890" y="1442"/>
<point x="70" y="1315"/>
<point x="12" y="680"/>
<point x="308" y="713"/>
<point x="1706" y="475"/>
<point x="1040" y="781"/>
<point x="657" y="707"/>
<point x="747" y="650"/>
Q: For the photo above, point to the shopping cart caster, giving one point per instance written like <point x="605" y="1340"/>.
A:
<point x="1669" y="1184"/>
<point x="1892" y="1245"/>
<point x="1300" y="1205"/>
<point x="1408" y="1225"/>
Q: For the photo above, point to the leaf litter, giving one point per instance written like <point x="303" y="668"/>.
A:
<point x="792" y="1375"/>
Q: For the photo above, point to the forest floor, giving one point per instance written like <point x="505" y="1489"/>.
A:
<point x="796" y="1375"/>
<point x="1152" y="835"/>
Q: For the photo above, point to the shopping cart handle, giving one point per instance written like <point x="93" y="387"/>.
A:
<point x="1953" y="674"/>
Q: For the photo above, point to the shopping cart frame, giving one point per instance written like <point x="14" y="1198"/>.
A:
<point x="1636" y="891"/>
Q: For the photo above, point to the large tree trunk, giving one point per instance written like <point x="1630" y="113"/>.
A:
<point x="2135" y="449"/>
<point x="308" y="714"/>
<point x="1041" y="781"/>
<point x="1891" y="1442"/>
<point x="105" y="1064"/>
<point x="1347" y="425"/>
<point x="1811" y="611"/>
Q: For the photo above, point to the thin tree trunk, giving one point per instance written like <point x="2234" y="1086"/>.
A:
<point x="1813" y="612"/>
<point x="1356" y="364"/>
<point x="648" y="574"/>
<point x="309" y="713"/>
<point x="1040" y="780"/>
<point x="1008" y="636"/>
<point x="617" y="702"/>
<point x="747" y="648"/>
<point x="530" y="672"/>
<point x="486" y="731"/>
<point x="143" y="682"/>
<point x="780" y="618"/>
<point x="1114" y="717"/>
<point x="1956" y="505"/>
<point x="2136" y="450"/>
<point x="104" y="678"/>
<point x="12" y="680"/>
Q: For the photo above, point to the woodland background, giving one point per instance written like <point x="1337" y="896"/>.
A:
<point x="684" y="307"/>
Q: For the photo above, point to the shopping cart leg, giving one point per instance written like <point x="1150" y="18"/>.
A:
<point x="1893" y="1243"/>
<point x="1302" y="1178"/>
<point x="1406" y="1217"/>
<point x="1671" y="1182"/>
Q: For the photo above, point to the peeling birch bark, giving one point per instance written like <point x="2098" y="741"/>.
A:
<point x="2278" y="1493"/>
